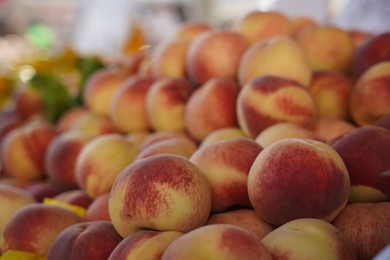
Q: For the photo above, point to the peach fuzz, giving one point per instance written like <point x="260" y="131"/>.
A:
<point x="331" y="91"/>
<point x="165" y="102"/>
<point x="327" y="48"/>
<point x="211" y="106"/>
<point x="373" y="50"/>
<point x="88" y="240"/>
<point x="226" y="166"/>
<point x="366" y="154"/>
<point x="100" y="161"/>
<point x="216" y="53"/>
<point x="217" y="241"/>
<point x="268" y="100"/>
<point x="168" y="58"/>
<point x="257" y="25"/>
<point x="366" y="226"/>
<point x="328" y="128"/>
<point x="146" y="245"/>
<point x="178" y="146"/>
<point x="190" y="30"/>
<point x="23" y="150"/>
<point x="369" y="99"/>
<point x="284" y="130"/>
<point x="244" y="218"/>
<point x="11" y="200"/>
<point x="99" y="89"/>
<point x="34" y="227"/>
<point x="98" y="208"/>
<point x="61" y="155"/>
<point x="162" y="192"/>
<point x="308" y="238"/>
<point x="279" y="56"/>
<point x="128" y="105"/>
<point x="296" y="178"/>
<point x="222" y="134"/>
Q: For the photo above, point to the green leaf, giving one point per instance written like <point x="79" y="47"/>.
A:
<point x="56" y="99"/>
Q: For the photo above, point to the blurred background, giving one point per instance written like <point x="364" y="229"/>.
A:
<point x="112" y="27"/>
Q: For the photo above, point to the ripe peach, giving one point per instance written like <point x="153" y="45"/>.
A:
<point x="279" y="56"/>
<point x="98" y="209"/>
<point x="99" y="89"/>
<point x="328" y="128"/>
<point x="76" y="197"/>
<point x="100" y="161"/>
<point x="215" y="53"/>
<point x="217" y="241"/>
<point x="28" y="101"/>
<point x="370" y="97"/>
<point x="245" y="218"/>
<point x="88" y="240"/>
<point x="366" y="226"/>
<point x="61" y="156"/>
<point x="190" y="30"/>
<point x="212" y="106"/>
<point x="128" y="109"/>
<point x="146" y="245"/>
<point x="23" y="150"/>
<point x="165" y="102"/>
<point x="268" y="100"/>
<point x="284" y="130"/>
<point x="34" y="227"/>
<point x="161" y="192"/>
<point x="226" y="165"/>
<point x="43" y="188"/>
<point x="258" y="25"/>
<point x="158" y="136"/>
<point x="383" y="122"/>
<point x="67" y="119"/>
<point x="301" y="23"/>
<point x="9" y="119"/>
<point x="327" y="48"/>
<point x="331" y="91"/>
<point x="295" y="178"/>
<point x="222" y="134"/>
<point x="93" y="124"/>
<point x="366" y="154"/>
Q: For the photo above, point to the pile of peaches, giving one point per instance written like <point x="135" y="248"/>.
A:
<point x="268" y="138"/>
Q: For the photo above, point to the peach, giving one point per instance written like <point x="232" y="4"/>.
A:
<point x="366" y="154"/>
<point x="61" y="156"/>
<point x="217" y="241"/>
<point x="213" y="54"/>
<point x="373" y="50"/>
<point x="128" y="109"/>
<point x="178" y="146"/>
<point x="145" y="67"/>
<point x="327" y="48"/>
<point x="222" y="134"/>
<point x="99" y="89"/>
<point x="88" y="240"/>
<point x="244" y="218"/>
<point x="161" y="192"/>
<point x="190" y="30"/>
<point x="76" y="197"/>
<point x="9" y="119"/>
<point x="98" y="208"/>
<point x="296" y="178"/>
<point x="331" y="91"/>
<point x="268" y="100"/>
<point x="301" y="23"/>
<point x="279" y="56"/>
<point x="358" y="37"/>
<point x="328" y="128"/>
<point x="137" y="137"/>
<point x="93" y="124"/>
<point x="370" y="97"/>
<point x="100" y="161"/>
<point x="67" y="119"/>
<point x="212" y="106"/>
<point x="308" y="238"/>
<point x="225" y="165"/>
<point x="284" y="130"/>
<point x="34" y="227"/>
<point x="145" y="245"/>
<point x="158" y="136"/>
<point x="11" y="200"/>
<point x="383" y="122"/>
<point x="23" y="150"/>
<point x="367" y="227"/>
<point x="28" y="101"/>
<point x="44" y="188"/>
<point x="169" y="58"/>
<point x="165" y="102"/>
<point x="259" y="25"/>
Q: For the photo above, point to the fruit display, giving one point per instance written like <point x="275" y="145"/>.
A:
<point x="267" y="138"/>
